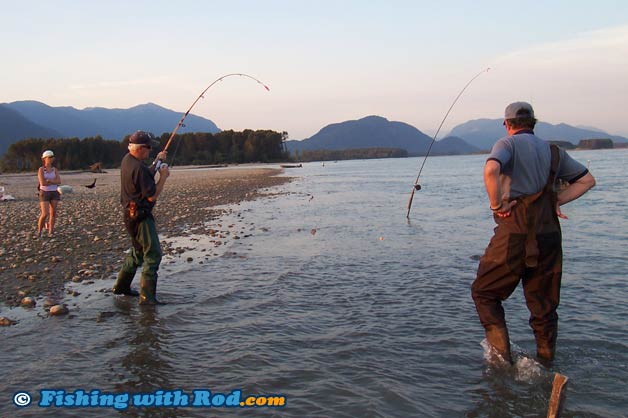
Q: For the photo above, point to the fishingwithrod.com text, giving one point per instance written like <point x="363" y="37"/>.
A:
<point x="197" y="398"/>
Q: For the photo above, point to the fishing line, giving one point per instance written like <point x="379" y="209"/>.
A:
<point x="174" y="154"/>
<point x="417" y="186"/>
<point x="157" y="163"/>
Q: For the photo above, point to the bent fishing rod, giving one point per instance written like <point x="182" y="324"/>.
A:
<point x="417" y="186"/>
<point x="157" y="163"/>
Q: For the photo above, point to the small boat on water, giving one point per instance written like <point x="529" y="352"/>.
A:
<point x="290" y="165"/>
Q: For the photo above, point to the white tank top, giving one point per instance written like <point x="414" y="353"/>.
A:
<point x="49" y="175"/>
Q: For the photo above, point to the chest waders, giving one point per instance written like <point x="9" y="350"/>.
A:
<point x="145" y="250"/>
<point x="526" y="247"/>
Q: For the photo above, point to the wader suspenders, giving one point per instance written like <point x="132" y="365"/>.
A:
<point x="534" y="211"/>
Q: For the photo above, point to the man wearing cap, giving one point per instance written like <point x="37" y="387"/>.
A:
<point x="138" y="195"/>
<point x="520" y="175"/>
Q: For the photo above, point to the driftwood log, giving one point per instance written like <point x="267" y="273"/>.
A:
<point x="557" y="399"/>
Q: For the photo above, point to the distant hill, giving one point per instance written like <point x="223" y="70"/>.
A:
<point x="65" y="120"/>
<point x="68" y="122"/>
<point x="589" y="128"/>
<point x="572" y="134"/>
<point x="483" y="133"/>
<point x="379" y="132"/>
<point x="149" y="117"/>
<point x="368" y="132"/>
<point x="14" y="125"/>
<point x="452" y="145"/>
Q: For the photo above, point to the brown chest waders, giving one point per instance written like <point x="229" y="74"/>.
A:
<point x="526" y="247"/>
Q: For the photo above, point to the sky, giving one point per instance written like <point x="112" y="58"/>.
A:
<point x="324" y="61"/>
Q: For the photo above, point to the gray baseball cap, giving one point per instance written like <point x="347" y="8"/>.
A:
<point x="519" y="110"/>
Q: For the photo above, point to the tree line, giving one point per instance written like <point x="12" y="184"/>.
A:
<point x="350" y="154"/>
<point x="198" y="148"/>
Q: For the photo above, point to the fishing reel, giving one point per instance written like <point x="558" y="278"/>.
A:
<point x="417" y="187"/>
<point x="158" y="164"/>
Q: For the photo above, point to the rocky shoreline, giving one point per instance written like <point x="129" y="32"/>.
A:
<point x="90" y="240"/>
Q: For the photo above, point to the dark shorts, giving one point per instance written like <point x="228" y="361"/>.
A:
<point x="49" y="196"/>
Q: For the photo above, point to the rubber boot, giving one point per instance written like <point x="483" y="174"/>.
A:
<point x="545" y="351"/>
<point x="123" y="285"/>
<point x="148" y="292"/>
<point x="498" y="338"/>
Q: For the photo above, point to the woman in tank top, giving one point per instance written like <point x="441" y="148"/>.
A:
<point x="49" y="197"/>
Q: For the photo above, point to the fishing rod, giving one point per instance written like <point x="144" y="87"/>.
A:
<point x="417" y="186"/>
<point x="157" y="163"/>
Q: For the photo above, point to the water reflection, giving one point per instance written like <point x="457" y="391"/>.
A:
<point x="523" y="389"/>
<point x="148" y="363"/>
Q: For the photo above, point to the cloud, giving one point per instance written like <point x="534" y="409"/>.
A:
<point x="604" y="43"/>
<point x="581" y="80"/>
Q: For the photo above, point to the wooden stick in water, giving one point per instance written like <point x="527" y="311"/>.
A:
<point x="557" y="399"/>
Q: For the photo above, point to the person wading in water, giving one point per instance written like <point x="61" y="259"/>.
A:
<point x="138" y="195"/>
<point x="520" y="175"/>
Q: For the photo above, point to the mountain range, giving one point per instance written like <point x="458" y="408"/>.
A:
<point x="376" y="131"/>
<point x="483" y="133"/>
<point x="31" y="119"/>
<point x="470" y="137"/>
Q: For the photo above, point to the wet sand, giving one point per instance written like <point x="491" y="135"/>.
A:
<point x="90" y="240"/>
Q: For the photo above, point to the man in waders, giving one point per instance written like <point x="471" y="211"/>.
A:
<point x="138" y="195"/>
<point x="520" y="175"/>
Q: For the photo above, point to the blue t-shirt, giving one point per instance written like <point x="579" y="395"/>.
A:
<point x="526" y="159"/>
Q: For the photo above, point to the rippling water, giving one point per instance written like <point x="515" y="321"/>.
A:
<point x="340" y="304"/>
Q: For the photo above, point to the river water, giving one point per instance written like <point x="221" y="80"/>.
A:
<point x="334" y="300"/>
